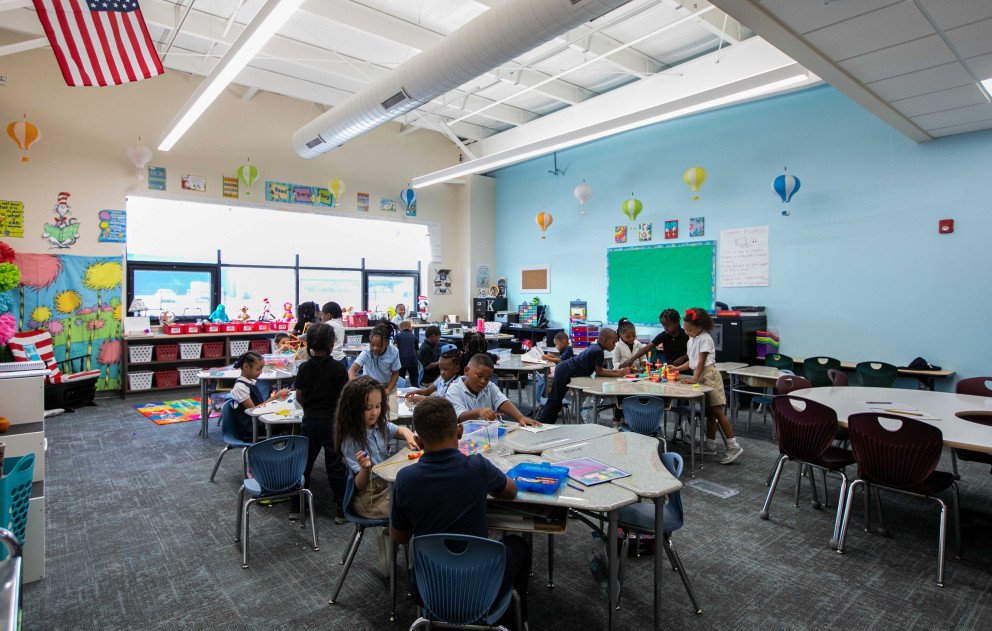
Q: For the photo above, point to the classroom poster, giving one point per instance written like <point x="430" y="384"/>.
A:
<point x="113" y="226"/>
<point x="230" y="187"/>
<point x="196" y="183"/>
<point x="442" y="279"/>
<point x="11" y="219"/>
<point x="744" y="257"/>
<point x="697" y="226"/>
<point x="620" y="234"/>
<point x="298" y="194"/>
<point x="387" y="205"/>
<point x="644" y="232"/>
<point x="363" y="202"/>
<point x="672" y="229"/>
<point x="482" y="276"/>
<point x="77" y="299"/>
<point x="411" y="209"/>
<point x="156" y="178"/>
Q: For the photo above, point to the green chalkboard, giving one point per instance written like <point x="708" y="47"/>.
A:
<point x="645" y="280"/>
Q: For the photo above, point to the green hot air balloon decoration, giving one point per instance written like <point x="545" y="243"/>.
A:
<point x="632" y="207"/>
<point x="247" y="174"/>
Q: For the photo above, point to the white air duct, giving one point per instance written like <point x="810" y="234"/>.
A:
<point x="495" y="37"/>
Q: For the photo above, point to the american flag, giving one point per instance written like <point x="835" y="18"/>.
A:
<point x="99" y="42"/>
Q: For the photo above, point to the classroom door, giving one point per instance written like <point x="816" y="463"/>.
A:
<point x="385" y="290"/>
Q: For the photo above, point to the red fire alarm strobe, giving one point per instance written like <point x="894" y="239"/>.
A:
<point x="945" y="226"/>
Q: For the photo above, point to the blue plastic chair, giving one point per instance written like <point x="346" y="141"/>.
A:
<point x="461" y="588"/>
<point x="231" y="440"/>
<point x="638" y="519"/>
<point x="278" y="465"/>
<point x="361" y="524"/>
<point x="643" y="415"/>
<point x="448" y="347"/>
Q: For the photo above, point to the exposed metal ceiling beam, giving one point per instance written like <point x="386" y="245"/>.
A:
<point x="20" y="47"/>
<point x="719" y="23"/>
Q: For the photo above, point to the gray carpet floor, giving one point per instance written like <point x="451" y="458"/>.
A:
<point x="139" y="539"/>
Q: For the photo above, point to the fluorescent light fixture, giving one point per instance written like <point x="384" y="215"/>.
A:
<point x="987" y="84"/>
<point x="723" y="95"/>
<point x="268" y="20"/>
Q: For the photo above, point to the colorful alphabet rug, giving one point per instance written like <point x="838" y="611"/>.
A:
<point x="169" y="412"/>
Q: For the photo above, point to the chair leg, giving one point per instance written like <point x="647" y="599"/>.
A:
<point x="217" y="464"/>
<point x="551" y="561"/>
<point x="941" y="541"/>
<point x="244" y="462"/>
<point x="882" y="530"/>
<point x="244" y="532"/>
<point x="673" y="556"/>
<point x="867" y="495"/>
<point x="799" y="481"/>
<point x="815" y="503"/>
<point x="954" y="464"/>
<point x="841" y="496"/>
<point x="776" y="473"/>
<point x="956" y="509"/>
<point x="347" y="548"/>
<point x="826" y="496"/>
<point x="241" y="502"/>
<point x="420" y="623"/>
<point x="847" y="513"/>
<point x="518" y="616"/>
<point x="624" y="549"/>
<point x="355" y="542"/>
<point x="313" y="517"/>
<point x="391" y="564"/>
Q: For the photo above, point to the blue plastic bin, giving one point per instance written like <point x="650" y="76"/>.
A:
<point x="529" y="471"/>
<point x="15" y="493"/>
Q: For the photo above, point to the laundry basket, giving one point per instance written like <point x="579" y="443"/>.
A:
<point x="15" y="493"/>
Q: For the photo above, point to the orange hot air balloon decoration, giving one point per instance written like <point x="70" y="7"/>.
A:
<point x="544" y="220"/>
<point x="23" y="133"/>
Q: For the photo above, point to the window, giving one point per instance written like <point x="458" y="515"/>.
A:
<point x="248" y="286"/>
<point x="324" y="285"/>
<point x="183" y="290"/>
<point x="389" y="290"/>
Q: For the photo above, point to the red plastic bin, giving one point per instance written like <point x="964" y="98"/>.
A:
<point x="166" y="378"/>
<point x="166" y="352"/>
<point x="213" y="350"/>
<point x="261" y="346"/>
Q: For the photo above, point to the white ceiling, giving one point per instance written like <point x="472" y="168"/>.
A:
<point x="916" y="63"/>
<point x="331" y="49"/>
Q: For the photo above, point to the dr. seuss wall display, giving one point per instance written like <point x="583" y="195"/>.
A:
<point x="298" y="194"/>
<point x="63" y="231"/>
<point x="113" y="226"/>
<point x="11" y="219"/>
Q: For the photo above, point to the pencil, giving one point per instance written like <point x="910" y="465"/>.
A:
<point x="572" y="486"/>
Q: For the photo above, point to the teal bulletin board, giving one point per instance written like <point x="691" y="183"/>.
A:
<point x="643" y="281"/>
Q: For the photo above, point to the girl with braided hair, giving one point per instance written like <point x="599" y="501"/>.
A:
<point x="381" y="360"/>
<point x="673" y="341"/>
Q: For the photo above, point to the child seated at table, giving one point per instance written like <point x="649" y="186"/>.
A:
<point x="430" y="354"/>
<point x="446" y="492"/>
<point x="245" y="393"/>
<point x="381" y="360"/>
<point x="474" y="343"/>
<point x="450" y="361"/>
<point x="564" y="349"/>
<point x="406" y="344"/>
<point x="476" y="397"/>
<point x="284" y="344"/>
<point x="585" y="364"/>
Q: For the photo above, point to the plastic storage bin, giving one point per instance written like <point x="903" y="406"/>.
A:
<point x="15" y="493"/>
<point x="493" y="328"/>
<point x="166" y="378"/>
<point x="141" y="380"/>
<point x="190" y="350"/>
<point x="167" y="352"/>
<point x="279" y="326"/>
<point x="213" y="350"/>
<point x="188" y="375"/>
<point x="172" y="329"/>
<point x="261" y="346"/>
<point x="239" y="347"/>
<point x="538" y="478"/>
<point x="140" y="354"/>
<point x="479" y="437"/>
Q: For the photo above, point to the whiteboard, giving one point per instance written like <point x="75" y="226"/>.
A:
<point x="744" y="257"/>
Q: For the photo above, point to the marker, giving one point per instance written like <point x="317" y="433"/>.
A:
<point x="572" y="448"/>
<point x="878" y="402"/>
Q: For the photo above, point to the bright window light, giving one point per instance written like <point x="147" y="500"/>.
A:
<point x="988" y="85"/>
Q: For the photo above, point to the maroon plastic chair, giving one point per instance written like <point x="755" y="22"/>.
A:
<point x="837" y="378"/>
<point x="902" y="460"/>
<point x="805" y="432"/>
<point x="976" y="387"/>
<point x="788" y="383"/>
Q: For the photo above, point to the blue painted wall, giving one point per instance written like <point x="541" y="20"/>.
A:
<point x="858" y="271"/>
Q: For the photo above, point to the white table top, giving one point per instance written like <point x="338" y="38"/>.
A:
<point x="513" y="363"/>
<point x="610" y="387"/>
<point x="728" y="366"/>
<point x="627" y="451"/>
<point x="233" y="373"/>
<point x="944" y="405"/>
<point x="760" y="372"/>
<point x="526" y="442"/>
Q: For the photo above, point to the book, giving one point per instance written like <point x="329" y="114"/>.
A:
<point x="591" y="472"/>
<point x="533" y="356"/>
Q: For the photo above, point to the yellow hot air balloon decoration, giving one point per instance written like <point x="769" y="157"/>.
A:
<point x="337" y="188"/>
<point x="544" y="220"/>
<point x="694" y="178"/>
<point x="23" y="133"/>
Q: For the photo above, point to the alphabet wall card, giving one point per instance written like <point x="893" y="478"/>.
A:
<point x="196" y="183"/>
<point x="11" y="219"/>
<point x="363" y="203"/>
<point x="230" y="187"/>
<point x="63" y="231"/>
<point x="672" y="229"/>
<point x="697" y="226"/>
<point x="113" y="226"/>
<point x="644" y="232"/>
<point x="620" y="234"/>
<point x="156" y="178"/>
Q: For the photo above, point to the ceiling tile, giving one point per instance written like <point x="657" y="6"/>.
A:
<point x="939" y="101"/>
<point x="889" y="26"/>
<point x="807" y="15"/>
<point x="918" y="54"/>
<point x="960" y="116"/>
<point x="961" y="129"/>
<point x="981" y="66"/>
<point x="974" y="39"/>
<point x="922" y="82"/>
<point x="950" y="14"/>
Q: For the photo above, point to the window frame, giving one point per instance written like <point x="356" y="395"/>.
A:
<point x="162" y="266"/>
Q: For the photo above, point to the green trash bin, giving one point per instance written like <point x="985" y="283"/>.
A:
<point x="15" y="493"/>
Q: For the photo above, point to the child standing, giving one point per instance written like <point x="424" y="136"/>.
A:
<point x="306" y="314"/>
<point x="702" y="362"/>
<point x="318" y="385"/>
<point x="449" y="363"/>
<point x="246" y="395"/>
<point x="564" y="349"/>
<point x="673" y="341"/>
<point x="331" y="314"/>
<point x="587" y="363"/>
<point x="400" y="313"/>
<point x="406" y="344"/>
<point x="380" y="360"/>
<point x="430" y="353"/>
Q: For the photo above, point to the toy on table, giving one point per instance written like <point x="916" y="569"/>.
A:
<point x="167" y="318"/>
<point x="243" y="316"/>
<point x="287" y="312"/>
<point x="422" y="311"/>
<point x="413" y="455"/>
<point x="471" y="447"/>
<point x="266" y="312"/>
<point x="219" y="314"/>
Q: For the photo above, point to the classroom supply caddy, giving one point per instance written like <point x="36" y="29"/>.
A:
<point x="585" y="333"/>
<point x="356" y="318"/>
<point x="262" y="347"/>
<point x="766" y="343"/>
<point x="479" y="437"/>
<point x="239" y="347"/>
<point x="15" y="493"/>
<point x="166" y="352"/>
<point x="166" y="378"/>
<point x="140" y="353"/>
<point x="190" y="350"/>
<point x="140" y="380"/>
<point x="538" y="478"/>
<point x="188" y="375"/>
<point x="213" y="350"/>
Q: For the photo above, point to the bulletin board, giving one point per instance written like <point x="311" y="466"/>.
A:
<point x="642" y="281"/>
<point x="535" y="280"/>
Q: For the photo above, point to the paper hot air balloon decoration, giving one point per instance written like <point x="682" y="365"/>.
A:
<point x="247" y="173"/>
<point x="582" y="193"/>
<point x="409" y="197"/>
<point x="694" y="178"/>
<point x="632" y="207"/>
<point x="785" y="186"/>
<point x="24" y="133"/>
<point x="544" y="220"/>
<point x="140" y="155"/>
<point x="337" y="188"/>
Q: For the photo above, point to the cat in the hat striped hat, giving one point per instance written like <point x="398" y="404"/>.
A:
<point x="62" y="210"/>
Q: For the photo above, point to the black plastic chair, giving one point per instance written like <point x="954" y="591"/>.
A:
<point x="976" y="387"/>
<point x="815" y="369"/>
<point x="838" y="378"/>
<point x="876" y="374"/>
<point x="902" y="460"/>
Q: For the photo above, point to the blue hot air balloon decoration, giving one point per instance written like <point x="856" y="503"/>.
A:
<point x="785" y="186"/>
<point x="409" y="197"/>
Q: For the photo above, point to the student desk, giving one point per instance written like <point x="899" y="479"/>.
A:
<point x="925" y="377"/>
<point x="522" y="441"/>
<point x="210" y="378"/>
<point x="513" y="365"/>
<point x="274" y="413"/>
<point x="603" y="498"/>
<point x="957" y="432"/>
<point x="754" y="376"/>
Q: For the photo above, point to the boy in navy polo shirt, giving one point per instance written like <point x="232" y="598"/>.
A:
<point x="446" y="492"/>
<point x="585" y="364"/>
